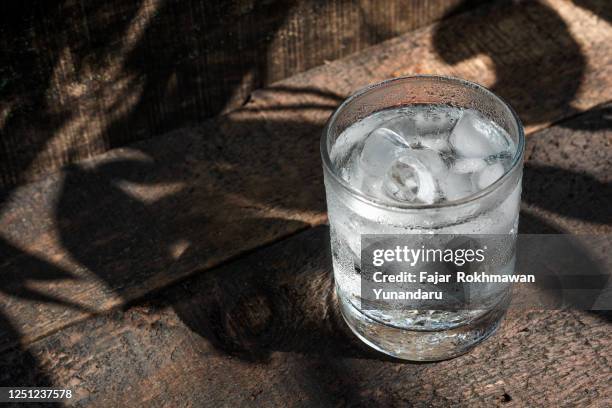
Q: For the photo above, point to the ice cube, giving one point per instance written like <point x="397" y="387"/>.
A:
<point x="437" y="142"/>
<point x="468" y="165"/>
<point x="429" y="123"/>
<point x="432" y="160"/>
<point x="488" y="175"/>
<point x="405" y="126"/>
<point x="473" y="137"/>
<point x="412" y="177"/>
<point x="456" y="186"/>
<point x="402" y="182"/>
<point x="371" y="185"/>
<point x="380" y="150"/>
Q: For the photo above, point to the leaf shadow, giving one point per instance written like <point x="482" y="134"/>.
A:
<point x="520" y="74"/>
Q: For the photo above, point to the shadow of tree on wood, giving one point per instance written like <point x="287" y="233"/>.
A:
<point x="520" y="73"/>
<point x="19" y="367"/>
<point x="28" y="71"/>
<point x="151" y="64"/>
<point x="589" y="196"/>
<point x="146" y="67"/>
<point x="110" y="223"/>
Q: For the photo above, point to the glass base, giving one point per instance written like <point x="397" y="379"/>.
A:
<point x="421" y="345"/>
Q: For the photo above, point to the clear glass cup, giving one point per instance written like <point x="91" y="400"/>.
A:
<point x="418" y="335"/>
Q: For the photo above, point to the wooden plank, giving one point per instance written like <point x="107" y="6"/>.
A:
<point x="112" y="229"/>
<point x="548" y="59"/>
<point x="265" y="331"/>
<point x="80" y="77"/>
<point x="101" y="242"/>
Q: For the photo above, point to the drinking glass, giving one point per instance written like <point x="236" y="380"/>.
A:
<point x="419" y="335"/>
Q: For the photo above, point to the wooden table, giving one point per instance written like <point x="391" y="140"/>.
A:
<point x="193" y="269"/>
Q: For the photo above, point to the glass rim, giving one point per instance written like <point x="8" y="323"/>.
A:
<point x="517" y="158"/>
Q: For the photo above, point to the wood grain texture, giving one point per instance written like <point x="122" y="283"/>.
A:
<point x="80" y="77"/>
<point x="548" y="59"/>
<point x="110" y="232"/>
<point x="134" y="220"/>
<point x="265" y="331"/>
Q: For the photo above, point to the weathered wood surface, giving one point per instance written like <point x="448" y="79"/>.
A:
<point x="134" y="220"/>
<point x="80" y="77"/>
<point x="265" y="331"/>
<point x="104" y="258"/>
